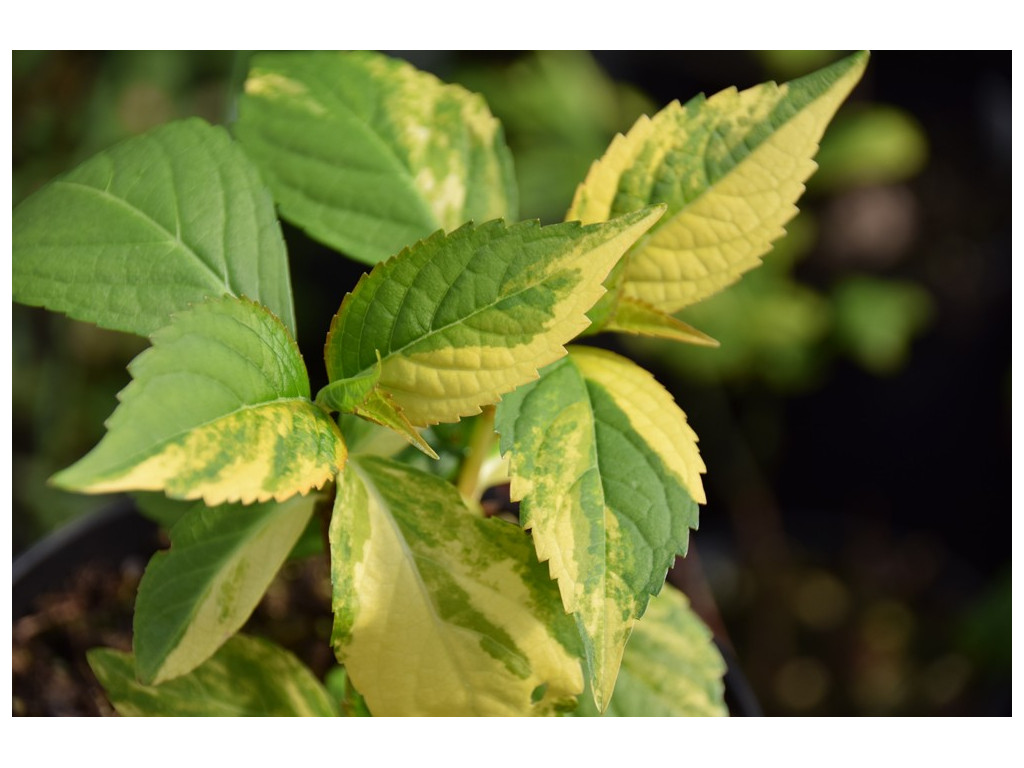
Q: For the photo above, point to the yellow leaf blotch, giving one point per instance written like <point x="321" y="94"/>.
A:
<point x="652" y="412"/>
<point x="269" y="451"/>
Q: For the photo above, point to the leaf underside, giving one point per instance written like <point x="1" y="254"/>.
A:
<point x="218" y="409"/>
<point x="608" y="473"/>
<point x="459" y="319"/>
<point x="368" y="154"/>
<point x="149" y="227"/>
<point x="439" y="611"/>
<point x="730" y="168"/>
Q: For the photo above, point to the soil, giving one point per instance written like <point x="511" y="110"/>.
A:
<point x="94" y="608"/>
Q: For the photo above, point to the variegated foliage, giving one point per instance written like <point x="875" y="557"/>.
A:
<point x="368" y="154"/>
<point x="609" y="477"/>
<point x="437" y="610"/>
<point x="218" y="410"/>
<point x="455" y="321"/>
<point x="730" y="169"/>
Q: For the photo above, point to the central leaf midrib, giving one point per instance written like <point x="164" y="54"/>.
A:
<point x="219" y="281"/>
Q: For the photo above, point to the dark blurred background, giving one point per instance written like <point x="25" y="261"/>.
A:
<point x="855" y="550"/>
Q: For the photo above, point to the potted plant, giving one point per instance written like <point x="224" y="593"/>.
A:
<point x="450" y="370"/>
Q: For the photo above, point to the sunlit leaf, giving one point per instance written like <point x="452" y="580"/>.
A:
<point x="609" y="477"/>
<point x="368" y="154"/>
<point x="456" y="320"/>
<point x="199" y="593"/>
<point x="248" y="676"/>
<point x="730" y="168"/>
<point x="439" y="611"/>
<point x="218" y="409"/>
<point x="150" y="227"/>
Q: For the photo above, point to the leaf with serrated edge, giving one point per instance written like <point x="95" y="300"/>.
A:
<point x="195" y="596"/>
<point x="218" y="409"/>
<point x="149" y="227"/>
<point x="368" y="154"/>
<point x="460" y="319"/>
<point x="730" y="168"/>
<point x="439" y="611"/>
<point x="248" y="676"/>
<point x="608" y="473"/>
<point x="671" y="668"/>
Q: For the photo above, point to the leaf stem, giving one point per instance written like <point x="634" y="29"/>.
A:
<point x="480" y="444"/>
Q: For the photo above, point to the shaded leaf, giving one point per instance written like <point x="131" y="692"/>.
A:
<point x="248" y="676"/>
<point x="149" y="227"/>
<point x="199" y="593"/>
<point x="368" y="154"/>
<point x="730" y="168"/>
<point x="439" y="611"/>
<point x="609" y="475"/>
<point x="671" y="668"/>
<point x="218" y="409"/>
<point x="456" y="320"/>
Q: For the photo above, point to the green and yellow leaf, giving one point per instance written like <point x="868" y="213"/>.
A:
<point x="361" y="395"/>
<point x="730" y="168"/>
<point x="671" y="668"/>
<point x="459" y="319"/>
<point x="439" y="611"/>
<point x="608" y="473"/>
<point x="248" y="677"/>
<point x="218" y="409"/>
<point x="195" y="596"/>
<point x="368" y="154"/>
<point x="149" y="227"/>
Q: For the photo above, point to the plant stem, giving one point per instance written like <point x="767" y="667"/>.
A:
<point x="480" y="444"/>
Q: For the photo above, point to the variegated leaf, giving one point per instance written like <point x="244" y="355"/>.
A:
<point x="730" y="168"/>
<point x="439" y="611"/>
<point x="609" y="477"/>
<point x="195" y="596"/>
<point x="671" y="668"/>
<point x="248" y="676"/>
<point x="149" y="227"/>
<point x="218" y="409"/>
<point x="459" y="319"/>
<point x="368" y="154"/>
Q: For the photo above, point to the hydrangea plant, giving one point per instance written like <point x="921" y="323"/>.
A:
<point x="465" y="315"/>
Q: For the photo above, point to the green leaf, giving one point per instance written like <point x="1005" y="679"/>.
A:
<point x="459" y="319"/>
<point x="248" y="676"/>
<point x="197" y="595"/>
<point x="439" y="611"/>
<point x="608" y="473"/>
<point x="670" y="667"/>
<point x="730" y="168"/>
<point x="150" y="227"/>
<point x="218" y="409"/>
<point x="368" y="154"/>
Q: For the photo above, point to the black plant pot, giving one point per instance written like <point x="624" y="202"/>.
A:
<point x="115" y="544"/>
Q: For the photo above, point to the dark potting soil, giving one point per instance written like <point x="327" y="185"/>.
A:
<point x="94" y="608"/>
